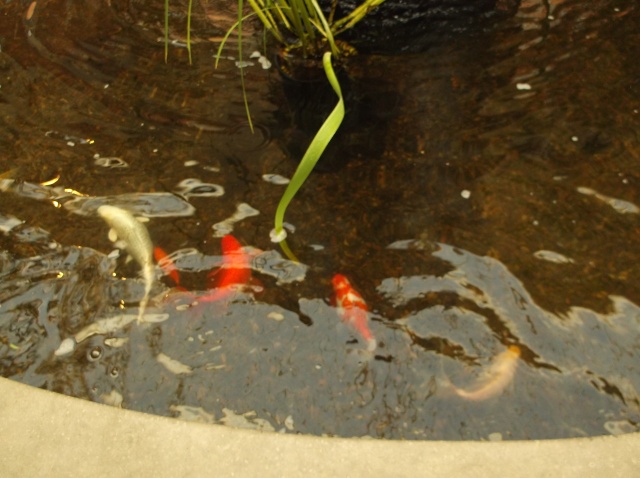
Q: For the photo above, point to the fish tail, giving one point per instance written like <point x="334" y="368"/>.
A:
<point x="371" y="344"/>
<point x="148" y="276"/>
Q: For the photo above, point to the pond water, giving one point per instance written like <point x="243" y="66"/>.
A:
<point x="484" y="205"/>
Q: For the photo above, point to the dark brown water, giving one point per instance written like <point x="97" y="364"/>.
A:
<point x="486" y="198"/>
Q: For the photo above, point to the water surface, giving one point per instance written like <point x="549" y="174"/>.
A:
<point x="487" y="197"/>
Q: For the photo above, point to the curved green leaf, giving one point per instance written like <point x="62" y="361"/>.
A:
<point x="315" y="149"/>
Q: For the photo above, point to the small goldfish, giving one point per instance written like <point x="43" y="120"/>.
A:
<point x="498" y="376"/>
<point x="235" y="271"/>
<point x="352" y="309"/>
<point x="166" y="264"/>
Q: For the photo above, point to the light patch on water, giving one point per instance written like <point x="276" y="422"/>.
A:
<point x="263" y="60"/>
<point x="523" y="86"/>
<point x="243" y="63"/>
<point x="173" y="366"/>
<point x="110" y="162"/>
<point x="245" y="420"/>
<point x="275" y="316"/>
<point x="193" y="414"/>
<point x="275" y="179"/>
<point x="284" y="270"/>
<point x="7" y="223"/>
<point x="243" y="211"/>
<point x="140" y="204"/>
<point x="194" y="187"/>
<point x="288" y="423"/>
<point x="68" y="139"/>
<point x="282" y="235"/>
<point x="113" y="398"/>
<point x="621" y="206"/>
<point x="276" y="236"/>
<point x="619" y="427"/>
<point x="552" y="256"/>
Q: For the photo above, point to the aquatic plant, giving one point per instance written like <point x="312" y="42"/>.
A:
<point x="301" y="28"/>
<point x="304" y="31"/>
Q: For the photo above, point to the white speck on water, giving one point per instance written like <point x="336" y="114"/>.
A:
<point x="275" y="316"/>
<point x="550" y="17"/>
<point x="535" y="222"/>
<point x="243" y="64"/>
<point x="66" y="347"/>
<point x="278" y="236"/>
<point x="574" y="139"/>
<point x="523" y="86"/>
<point x="116" y="342"/>
<point x="71" y="143"/>
<point x="275" y="179"/>
<point x="190" y="163"/>
<point x="106" y="86"/>
<point x="264" y="62"/>
<point x="173" y="366"/>
<point x="317" y="247"/>
<point x="288" y="423"/>
<point x="465" y="193"/>
<point x="552" y="256"/>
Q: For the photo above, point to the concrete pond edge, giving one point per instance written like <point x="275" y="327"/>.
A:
<point x="48" y="434"/>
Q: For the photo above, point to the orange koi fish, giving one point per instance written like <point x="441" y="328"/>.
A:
<point x="352" y="309"/>
<point x="235" y="271"/>
<point x="166" y="264"/>
<point x="498" y="376"/>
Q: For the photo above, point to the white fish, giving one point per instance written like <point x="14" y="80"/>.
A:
<point x="137" y="242"/>
<point x="498" y="376"/>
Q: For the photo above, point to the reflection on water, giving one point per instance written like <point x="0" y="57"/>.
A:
<point x="497" y="211"/>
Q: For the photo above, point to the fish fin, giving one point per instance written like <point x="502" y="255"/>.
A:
<point x="112" y="235"/>
<point x="166" y="264"/>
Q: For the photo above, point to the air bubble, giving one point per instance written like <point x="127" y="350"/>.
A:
<point x="94" y="354"/>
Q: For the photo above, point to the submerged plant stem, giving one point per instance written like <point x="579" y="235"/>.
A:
<point x="316" y="148"/>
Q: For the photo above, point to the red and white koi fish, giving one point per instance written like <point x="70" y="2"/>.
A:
<point x="352" y="309"/>
<point x="166" y="264"/>
<point x="498" y="376"/>
<point x="235" y="271"/>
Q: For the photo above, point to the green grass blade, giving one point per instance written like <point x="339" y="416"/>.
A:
<point x="244" y="89"/>
<point x="189" y="29"/>
<point x="315" y="149"/>
<point x="166" y="30"/>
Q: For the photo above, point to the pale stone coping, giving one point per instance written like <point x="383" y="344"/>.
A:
<point x="47" y="434"/>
